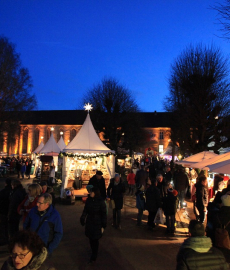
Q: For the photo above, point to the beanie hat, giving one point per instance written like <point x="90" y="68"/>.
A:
<point x="225" y="200"/>
<point x="117" y="175"/>
<point x="99" y="173"/>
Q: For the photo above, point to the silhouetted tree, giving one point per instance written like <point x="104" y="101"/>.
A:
<point x="199" y="99"/>
<point x="115" y="108"/>
<point x="15" y="89"/>
<point x="224" y="17"/>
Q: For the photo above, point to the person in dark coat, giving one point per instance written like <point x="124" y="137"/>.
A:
<point x="153" y="202"/>
<point x="27" y="252"/>
<point x="197" y="252"/>
<point x="201" y="197"/>
<point x="28" y="168"/>
<point x="94" y="218"/>
<point x="181" y="185"/>
<point x="4" y="207"/>
<point x="141" y="177"/>
<point x="23" y="170"/>
<point x="169" y="206"/>
<point x="115" y="192"/>
<point x="140" y="203"/>
<point x="17" y="195"/>
<point x="98" y="181"/>
<point x="18" y="167"/>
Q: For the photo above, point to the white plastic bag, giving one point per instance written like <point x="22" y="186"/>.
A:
<point x="159" y="218"/>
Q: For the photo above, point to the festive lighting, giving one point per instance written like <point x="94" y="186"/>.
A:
<point x="61" y="133"/>
<point x="88" y="107"/>
<point x="52" y="129"/>
<point x="42" y="137"/>
<point x="217" y="117"/>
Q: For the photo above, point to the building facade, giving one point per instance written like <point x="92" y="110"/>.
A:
<point x="36" y="126"/>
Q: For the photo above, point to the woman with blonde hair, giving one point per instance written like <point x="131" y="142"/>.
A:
<point x="34" y="191"/>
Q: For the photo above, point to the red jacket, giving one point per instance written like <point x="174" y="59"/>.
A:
<point x="131" y="178"/>
<point x="26" y="208"/>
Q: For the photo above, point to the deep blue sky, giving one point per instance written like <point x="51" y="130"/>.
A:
<point x="70" y="45"/>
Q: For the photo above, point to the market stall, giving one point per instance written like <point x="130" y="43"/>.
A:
<point x="84" y="155"/>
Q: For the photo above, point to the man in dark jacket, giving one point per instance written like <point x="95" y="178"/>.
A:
<point x="98" y="181"/>
<point x="153" y="202"/>
<point x="181" y="185"/>
<point x="197" y="252"/>
<point x="141" y="177"/>
<point x="16" y="197"/>
<point x="4" y="207"/>
<point x="45" y="220"/>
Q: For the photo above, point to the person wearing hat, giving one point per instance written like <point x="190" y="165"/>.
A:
<point x="140" y="203"/>
<point x="170" y="202"/>
<point x="49" y="190"/>
<point x="115" y="192"/>
<point x="98" y="181"/>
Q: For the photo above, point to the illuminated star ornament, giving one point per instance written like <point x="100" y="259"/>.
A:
<point x="88" y="107"/>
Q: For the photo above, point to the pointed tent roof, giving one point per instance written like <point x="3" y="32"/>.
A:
<point x="192" y="160"/>
<point x="61" y="144"/>
<point x="87" y="141"/>
<point x="51" y="146"/>
<point x="39" y="148"/>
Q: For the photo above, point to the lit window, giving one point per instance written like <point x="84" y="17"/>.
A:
<point x="161" y="149"/>
<point x="161" y="135"/>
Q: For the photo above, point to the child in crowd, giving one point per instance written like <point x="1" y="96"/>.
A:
<point x="140" y="203"/>
<point x="170" y="202"/>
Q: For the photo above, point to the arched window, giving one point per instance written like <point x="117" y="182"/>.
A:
<point x="36" y="138"/>
<point x="25" y="141"/>
<point x="73" y="134"/>
<point x="48" y="134"/>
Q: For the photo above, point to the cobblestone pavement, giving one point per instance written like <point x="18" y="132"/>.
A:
<point x="132" y="247"/>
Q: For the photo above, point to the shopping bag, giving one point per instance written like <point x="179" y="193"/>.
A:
<point x="159" y="218"/>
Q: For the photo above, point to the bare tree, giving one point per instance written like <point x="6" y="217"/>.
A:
<point x="15" y="89"/>
<point x="224" y="17"/>
<point x="115" y="108"/>
<point x="199" y="99"/>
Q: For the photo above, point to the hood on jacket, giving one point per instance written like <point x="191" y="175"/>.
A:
<point x="199" y="244"/>
<point x="34" y="264"/>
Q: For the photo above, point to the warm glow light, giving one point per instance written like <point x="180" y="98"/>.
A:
<point x="216" y="117"/>
<point x="52" y="129"/>
<point x="61" y="133"/>
<point x="42" y="137"/>
<point x="88" y="107"/>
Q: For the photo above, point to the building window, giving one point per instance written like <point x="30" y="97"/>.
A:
<point x="36" y="138"/>
<point x="161" y="135"/>
<point x="73" y="134"/>
<point x="25" y="141"/>
<point x="161" y="149"/>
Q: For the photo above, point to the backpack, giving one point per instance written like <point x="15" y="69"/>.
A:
<point x="222" y="237"/>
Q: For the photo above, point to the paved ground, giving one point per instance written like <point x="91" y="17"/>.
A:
<point x="130" y="248"/>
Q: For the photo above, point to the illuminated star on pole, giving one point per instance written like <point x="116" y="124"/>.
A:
<point x="88" y="107"/>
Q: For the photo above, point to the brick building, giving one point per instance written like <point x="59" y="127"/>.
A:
<point x="35" y="126"/>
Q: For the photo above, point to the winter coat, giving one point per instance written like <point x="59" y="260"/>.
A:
<point x="94" y="217"/>
<point x="99" y="184"/>
<point x="131" y="178"/>
<point x="198" y="253"/>
<point x="26" y="206"/>
<point x="115" y="192"/>
<point x="17" y="195"/>
<point x="50" y="231"/>
<point x="170" y="204"/>
<point x="201" y="195"/>
<point x="37" y="263"/>
<point x="181" y="181"/>
<point x="5" y="200"/>
<point x="23" y="168"/>
<point x="140" y="200"/>
<point x="153" y="199"/>
<point x="141" y="177"/>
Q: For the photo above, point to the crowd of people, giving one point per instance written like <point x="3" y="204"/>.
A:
<point x="42" y="226"/>
<point x="158" y="187"/>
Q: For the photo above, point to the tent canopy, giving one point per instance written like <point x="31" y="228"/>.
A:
<point x="206" y="163"/>
<point x="200" y="157"/>
<point x="221" y="167"/>
<point x="51" y="147"/>
<point x="39" y="148"/>
<point x="87" y="141"/>
<point x="61" y="144"/>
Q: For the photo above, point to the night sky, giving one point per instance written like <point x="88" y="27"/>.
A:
<point x="70" y="45"/>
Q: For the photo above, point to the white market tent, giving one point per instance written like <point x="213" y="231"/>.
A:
<point x="51" y="148"/>
<point x="87" y="143"/>
<point x="39" y="148"/>
<point x="221" y="167"/>
<point x="205" y="165"/>
<point x="200" y="157"/>
<point x="61" y="144"/>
